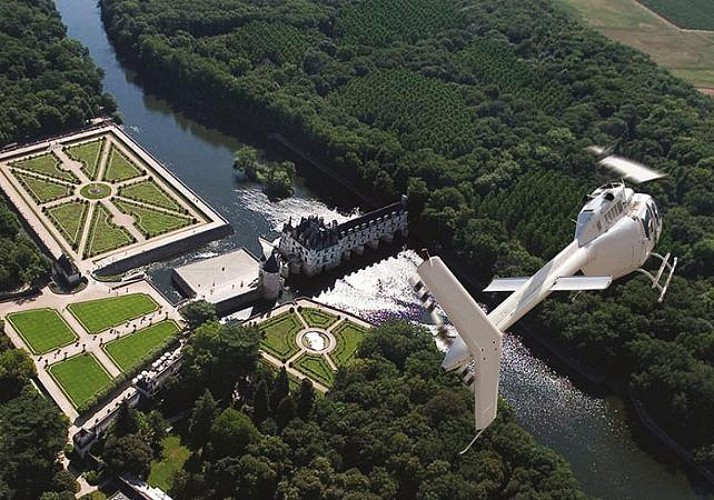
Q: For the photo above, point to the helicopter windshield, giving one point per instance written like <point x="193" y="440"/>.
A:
<point x="581" y="227"/>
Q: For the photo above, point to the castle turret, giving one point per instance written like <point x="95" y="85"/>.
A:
<point x="271" y="283"/>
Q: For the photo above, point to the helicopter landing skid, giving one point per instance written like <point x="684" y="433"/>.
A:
<point x="656" y="279"/>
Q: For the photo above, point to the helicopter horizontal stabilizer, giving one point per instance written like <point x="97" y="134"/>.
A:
<point x="567" y="283"/>
<point x="570" y="283"/>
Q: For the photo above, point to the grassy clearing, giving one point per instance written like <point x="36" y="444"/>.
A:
<point x="120" y="168"/>
<point x="150" y="192"/>
<point x="98" y="315"/>
<point x="173" y="457"/>
<point x="152" y="222"/>
<point x="316" y="368"/>
<point x="317" y="317"/>
<point x="129" y="351"/>
<point x="689" y="14"/>
<point x="81" y="377"/>
<point x="279" y="335"/>
<point x="88" y="153"/>
<point x="687" y="55"/>
<point x="47" y="164"/>
<point x="104" y="235"/>
<point x="43" y="190"/>
<point x="70" y="218"/>
<point x="96" y="191"/>
<point x="348" y="336"/>
<point x="43" y="330"/>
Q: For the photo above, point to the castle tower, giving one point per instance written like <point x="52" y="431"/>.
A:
<point x="271" y="283"/>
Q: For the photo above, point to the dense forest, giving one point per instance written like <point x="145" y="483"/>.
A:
<point x="481" y="112"/>
<point x="48" y="84"/>
<point x="390" y="428"/>
<point x="32" y="433"/>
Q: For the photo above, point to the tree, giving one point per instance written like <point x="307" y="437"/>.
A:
<point x="281" y="388"/>
<point x="128" y="453"/>
<point x="305" y="398"/>
<point x="199" y="312"/>
<point x="63" y="480"/>
<point x="126" y="421"/>
<point x="204" y="413"/>
<point x="38" y="433"/>
<point x="231" y="433"/>
<point x="153" y="430"/>
<point x="285" y="412"/>
<point x="261" y="403"/>
<point x="16" y="369"/>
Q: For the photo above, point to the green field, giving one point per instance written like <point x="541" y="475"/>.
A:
<point x="43" y="330"/>
<point x="104" y="235"/>
<point x="317" y="318"/>
<point x="119" y="168"/>
<point x="152" y="222"/>
<point x="150" y="192"/>
<point x="46" y="164"/>
<point x="279" y="335"/>
<point x="348" y="336"/>
<point x="129" y="350"/>
<point x="689" y="14"/>
<point x="686" y="54"/>
<point x="81" y="377"/>
<point x="315" y="367"/>
<point x="98" y="315"/>
<point x="87" y="153"/>
<point x="69" y="218"/>
<point x="43" y="190"/>
<point x="172" y="459"/>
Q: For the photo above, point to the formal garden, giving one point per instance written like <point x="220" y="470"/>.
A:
<point x="42" y="330"/>
<point x="80" y="377"/>
<point x="101" y="314"/>
<point x="313" y="340"/>
<point x="132" y="350"/>
<point x="105" y="199"/>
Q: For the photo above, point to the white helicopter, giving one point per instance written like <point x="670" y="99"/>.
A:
<point x="615" y="234"/>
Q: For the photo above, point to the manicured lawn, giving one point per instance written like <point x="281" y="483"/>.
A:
<point x="87" y="153"/>
<point x="69" y="218"/>
<point x="43" y="330"/>
<point x="690" y="14"/>
<point x="279" y="335"/>
<point x="47" y="164"/>
<point x="104" y="235"/>
<point x="316" y="368"/>
<point x="43" y="190"/>
<point x="348" y="336"/>
<point x="152" y="222"/>
<point x="98" y="315"/>
<point x="149" y="192"/>
<point x="81" y="377"/>
<point x="317" y="317"/>
<point x="119" y="168"/>
<point x="128" y="351"/>
<point x="172" y="460"/>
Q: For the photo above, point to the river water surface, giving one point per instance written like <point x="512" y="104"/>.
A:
<point x="591" y="433"/>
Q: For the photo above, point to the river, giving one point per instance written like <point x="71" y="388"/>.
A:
<point x="591" y="433"/>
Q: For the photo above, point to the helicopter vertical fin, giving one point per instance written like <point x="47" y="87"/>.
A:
<point x="480" y="335"/>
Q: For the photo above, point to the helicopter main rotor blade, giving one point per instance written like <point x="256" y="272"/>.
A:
<point x="636" y="172"/>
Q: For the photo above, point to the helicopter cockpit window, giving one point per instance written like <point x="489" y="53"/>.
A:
<point x="583" y="222"/>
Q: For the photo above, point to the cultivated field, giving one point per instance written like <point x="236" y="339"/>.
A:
<point x="690" y="14"/>
<point x="688" y="55"/>
<point x="129" y="351"/>
<point x="81" y="377"/>
<point x="43" y="330"/>
<point x="98" y="315"/>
